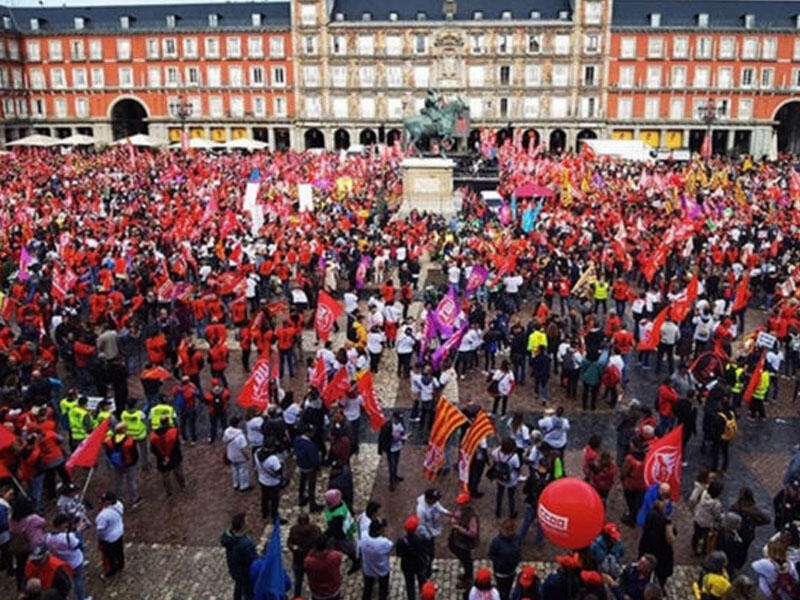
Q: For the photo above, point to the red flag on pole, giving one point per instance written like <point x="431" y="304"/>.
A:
<point x="318" y="375"/>
<point x="88" y="451"/>
<point x="654" y="337"/>
<point x="328" y="310"/>
<point x="682" y="305"/>
<point x="663" y="462"/>
<point x="481" y="428"/>
<point x="742" y="293"/>
<point x="372" y="406"/>
<point x="337" y="387"/>
<point x="755" y="379"/>
<point x="255" y="391"/>
<point x="447" y="419"/>
<point x="7" y="438"/>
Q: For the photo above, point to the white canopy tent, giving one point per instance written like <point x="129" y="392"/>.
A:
<point x="245" y="144"/>
<point x="34" y="140"/>
<point x="196" y="144"/>
<point x="140" y="139"/>
<point x="77" y="139"/>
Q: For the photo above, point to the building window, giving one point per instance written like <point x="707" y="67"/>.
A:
<point x="725" y="78"/>
<point x="531" y="108"/>
<point x="701" y="77"/>
<point x="34" y="24"/>
<point x="235" y="76"/>
<point x="505" y="75"/>
<point x="366" y="45"/>
<point x="393" y="16"/>
<point x="98" y="78"/>
<point x="38" y="107"/>
<point x="125" y="75"/>
<point x="170" y="48"/>
<point x="255" y="19"/>
<point x="37" y="79"/>
<point x="213" y="20"/>
<point x="278" y="77"/>
<point x="421" y="16"/>
<point x="560" y="75"/>
<point x="60" y="108"/>
<point x="16" y="79"/>
<point x="123" y="49"/>
<point x="171" y="21"/>
<point x="676" y="108"/>
<point x="420" y="44"/>
<point x="394" y="76"/>
<point x="534" y="43"/>
<point x="255" y="47"/>
<point x="190" y="47"/>
<point x="192" y="76"/>
<point x="626" y="75"/>
<point x="593" y="13"/>
<point x="313" y="107"/>
<point x="703" y="48"/>
<point x="339" y="76"/>
<point x="477" y="43"/>
<point x="505" y="44"/>
<point x="394" y="108"/>
<point x="749" y="48"/>
<point x="310" y="45"/>
<point x="745" y="109"/>
<point x="624" y="108"/>
<point x="655" y="47"/>
<point x="311" y="76"/>
<point x="654" y="77"/>
<point x="769" y="49"/>
<point x="394" y="45"/>
<point x="124" y="22"/>
<point x="276" y="47"/>
<point x="366" y="76"/>
<point x="171" y="76"/>
<point x="655" y="20"/>
<point x="627" y="48"/>
<point x="795" y="78"/>
<point x="81" y="107"/>
<point x="652" y="108"/>
<point x="503" y="108"/>
<point x="338" y="45"/>
<point x="212" y="47"/>
<point x="79" y="79"/>
<point x="505" y="15"/>
<point x="13" y="50"/>
<point x="747" y="77"/>
<point x="723" y="106"/>
<point x="589" y="75"/>
<point x="421" y="77"/>
<point x="678" y="77"/>
<point x="559" y="107"/>
<point x="257" y="76"/>
<point x="153" y="77"/>
<point x="33" y="51"/>
<point x="588" y="107"/>
<point x="591" y="44"/>
<point x="796" y="49"/>
<point x="80" y="23"/>
<point x="214" y="76"/>
<point x="680" y="47"/>
<point x="749" y="21"/>
<point x="152" y="48"/>
<point x="475" y="75"/>
<point x="215" y="107"/>
<point x="279" y="106"/>
<point x="95" y="49"/>
<point x="702" y="20"/>
<point x="367" y="106"/>
<point x="727" y="48"/>
<point x="533" y="75"/>
<point x="233" y="47"/>
<point x="2" y="48"/>
<point x="259" y="106"/>
<point x="767" y="78"/>
<point x="476" y="108"/>
<point x="57" y="80"/>
<point x="237" y="107"/>
<point x="308" y="15"/>
<point x="76" y="50"/>
<point x="561" y="45"/>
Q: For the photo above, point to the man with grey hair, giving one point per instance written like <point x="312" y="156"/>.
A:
<point x="636" y="578"/>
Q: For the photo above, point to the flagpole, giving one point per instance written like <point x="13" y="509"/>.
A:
<point x="19" y="486"/>
<point x="86" y="485"/>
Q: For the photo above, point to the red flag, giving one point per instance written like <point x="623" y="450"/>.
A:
<point x="663" y="462"/>
<point x="682" y="304"/>
<point x="742" y="293"/>
<point x="652" y="340"/>
<point x="448" y="418"/>
<point x="755" y="379"/>
<point x="372" y="406"/>
<point x="5" y="473"/>
<point x="318" y="375"/>
<point x="7" y="438"/>
<point x="328" y="310"/>
<point x="62" y="283"/>
<point x="481" y="428"/>
<point x="255" y="391"/>
<point x="87" y="452"/>
<point x="655" y="263"/>
<point x="705" y="149"/>
<point x="337" y="387"/>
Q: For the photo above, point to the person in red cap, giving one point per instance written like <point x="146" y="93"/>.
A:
<point x="607" y="550"/>
<point x="593" y="585"/>
<point x="428" y="591"/>
<point x="464" y="536"/>
<point x="527" y="586"/>
<point x="411" y="551"/>
<point x="566" y="581"/>
<point x="482" y="588"/>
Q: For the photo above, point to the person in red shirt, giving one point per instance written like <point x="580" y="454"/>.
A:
<point x="285" y="336"/>
<point x="192" y="363"/>
<point x="323" y="569"/>
<point x="165" y="444"/>
<point x="53" y="573"/>
<point x="156" y="348"/>
<point x="218" y="357"/>
<point x="185" y="398"/>
<point x="83" y="351"/>
<point x="216" y="400"/>
<point x="666" y="399"/>
<point x="620" y="292"/>
<point x="245" y="345"/>
<point x="215" y="332"/>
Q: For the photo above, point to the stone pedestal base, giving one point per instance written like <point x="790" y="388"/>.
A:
<point x="427" y="185"/>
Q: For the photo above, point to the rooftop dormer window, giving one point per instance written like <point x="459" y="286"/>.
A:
<point x="80" y="23"/>
<point x="35" y="24"/>
<point x="749" y="21"/>
<point x="213" y="20"/>
<point x="655" y="20"/>
<point x="702" y="20"/>
<point x="171" y="20"/>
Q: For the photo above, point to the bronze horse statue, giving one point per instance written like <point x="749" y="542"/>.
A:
<point x="434" y="121"/>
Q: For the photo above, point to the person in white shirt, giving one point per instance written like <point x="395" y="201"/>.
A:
<point x="430" y="513"/>
<point x="427" y="385"/>
<point x="405" y="351"/>
<point x="237" y="454"/>
<point x="375" y="341"/>
<point x="511" y="285"/>
<point x="269" y="469"/>
<point x="454" y="275"/>
<point x="666" y="345"/>
<point x="67" y="544"/>
<point x="501" y="383"/>
<point x="506" y="465"/>
<point x="467" y="358"/>
<point x="375" y="550"/>
<point x="773" y="362"/>
<point x="554" y="427"/>
<point x="110" y="532"/>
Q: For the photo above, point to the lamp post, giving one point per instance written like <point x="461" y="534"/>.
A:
<point x="181" y="109"/>
<point x="708" y="113"/>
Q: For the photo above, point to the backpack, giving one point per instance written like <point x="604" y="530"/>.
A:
<point x="500" y="472"/>
<point x="610" y="377"/>
<point x="785" y="586"/>
<point x="569" y="363"/>
<point x="730" y="429"/>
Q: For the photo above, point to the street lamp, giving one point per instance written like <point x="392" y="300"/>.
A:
<point x="181" y="109"/>
<point x="708" y="113"/>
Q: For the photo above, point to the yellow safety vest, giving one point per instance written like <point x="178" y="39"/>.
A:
<point x="536" y="339"/>
<point x="77" y="431"/>
<point x="601" y="291"/>
<point x="761" y="391"/>
<point x="159" y="411"/>
<point x="738" y="380"/>
<point x="101" y="416"/>
<point x="65" y="405"/>
<point x="134" y="419"/>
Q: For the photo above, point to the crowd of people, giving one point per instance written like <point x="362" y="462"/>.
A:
<point x="124" y="265"/>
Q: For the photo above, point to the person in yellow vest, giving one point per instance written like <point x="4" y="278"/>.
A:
<point x="136" y="421"/>
<point x="102" y="413"/>
<point x="80" y="422"/>
<point x="601" y="288"/>
<point x="537" y="339"/>
<point x="66" y="404"/>
<point x="757" y="401"/>
<point x="736" y="373"/>
<point x="162" y="409"/>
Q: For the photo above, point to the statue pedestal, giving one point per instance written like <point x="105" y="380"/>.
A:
<point x="427" y="186"/>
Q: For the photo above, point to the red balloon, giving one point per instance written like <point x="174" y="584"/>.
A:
<point x="571" y="513"/>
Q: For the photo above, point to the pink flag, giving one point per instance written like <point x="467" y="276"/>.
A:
<point x="447" y="312"/>
<point x="25" y="260"/>
<point x="443" y="351"/>
<point x="477" y="277"/>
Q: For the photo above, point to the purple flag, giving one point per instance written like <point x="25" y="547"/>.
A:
<point x="443" y="351"/>
<point x="477" y="277"/>
<point x="361" y="272"/>
<point x="447" y="312"/>
<point x="430" y="332"/>
<point x="24" y="261"/>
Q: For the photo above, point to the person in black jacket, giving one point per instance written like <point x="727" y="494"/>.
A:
<point x="505" y="552"/>
<point x="786" y="505"/>
<point x="410" y="549"/>
<point x="308" y="460"/>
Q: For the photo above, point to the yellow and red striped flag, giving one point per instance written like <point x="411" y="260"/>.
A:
<point x="481" y="428"/>
<point x="447" y="419"/>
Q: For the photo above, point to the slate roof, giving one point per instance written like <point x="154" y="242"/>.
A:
<point x="722" y="14"/>
<point x="148" y="17"/>
<point x="407" y="10"/>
